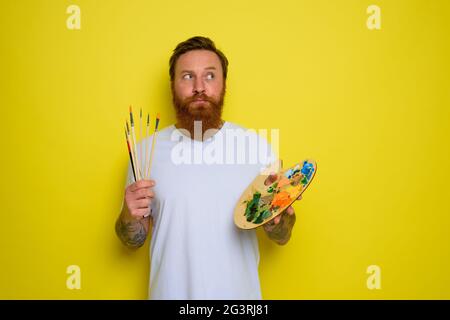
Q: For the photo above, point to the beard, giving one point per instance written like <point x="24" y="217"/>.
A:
<point x="189" y="110"/>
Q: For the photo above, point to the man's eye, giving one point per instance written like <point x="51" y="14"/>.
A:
<point x="210" y="76"/>
<point x="187" y="76"/>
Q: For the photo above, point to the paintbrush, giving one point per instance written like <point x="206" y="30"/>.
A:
<point x="127" y="137"/>
<point x="133" y="139"/>
<point x="151" y="152"/>
<point x="153" y="144"/>
<point x="145" y="145"/>
<point x="140" y="138"/>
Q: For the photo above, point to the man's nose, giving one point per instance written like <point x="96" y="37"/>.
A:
<point x="199" y="86"/>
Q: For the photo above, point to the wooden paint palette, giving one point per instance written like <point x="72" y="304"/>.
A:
<point x="260" y="204"/>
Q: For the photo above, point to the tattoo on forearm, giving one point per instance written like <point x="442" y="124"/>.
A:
<point x="281" y="232"/>
<point x="132" y="233"/>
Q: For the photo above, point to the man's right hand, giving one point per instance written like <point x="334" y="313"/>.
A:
<point x="138" y="199"/>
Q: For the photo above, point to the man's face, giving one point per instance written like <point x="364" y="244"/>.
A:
<point x="198" y="86"/>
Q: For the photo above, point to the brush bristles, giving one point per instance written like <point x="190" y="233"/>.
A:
<point x="157" y="122"/>
<point x="131" y="117"/>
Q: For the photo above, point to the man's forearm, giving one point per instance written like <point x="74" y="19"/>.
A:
<point x="132" y="232"/>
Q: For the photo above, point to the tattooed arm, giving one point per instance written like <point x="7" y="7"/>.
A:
<point x="132" y="232"/>
<point x="280" y="228"/>
<point x="134" y="221"/>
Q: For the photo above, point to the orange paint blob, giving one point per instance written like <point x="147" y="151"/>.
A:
<point x="281" y="199"/>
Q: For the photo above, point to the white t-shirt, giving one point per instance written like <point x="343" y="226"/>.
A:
<point x="196" y="250"/>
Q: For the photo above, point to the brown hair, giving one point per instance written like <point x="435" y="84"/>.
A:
<point x="196" y="43"/>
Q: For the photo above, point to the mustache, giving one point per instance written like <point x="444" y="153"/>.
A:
<point x="199" y="96"/>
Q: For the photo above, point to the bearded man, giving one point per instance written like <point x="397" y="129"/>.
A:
<point x="198" y="175"/>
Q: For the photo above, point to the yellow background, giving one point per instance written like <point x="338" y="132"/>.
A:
<point x="371" y="106"/>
